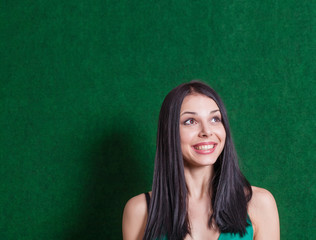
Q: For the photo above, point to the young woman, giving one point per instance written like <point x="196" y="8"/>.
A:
<point x="198" y="191"/>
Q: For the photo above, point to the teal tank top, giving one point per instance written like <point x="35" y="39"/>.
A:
<point x="232" y="236"/>
<point x="223" y="236"/>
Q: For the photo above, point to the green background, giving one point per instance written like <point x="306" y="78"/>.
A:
<point x="81" y="87"/>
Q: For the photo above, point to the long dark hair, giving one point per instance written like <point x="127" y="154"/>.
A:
<point x="230" y="191"/>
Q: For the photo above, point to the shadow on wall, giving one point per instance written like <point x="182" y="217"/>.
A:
<point x="116" y="175"/>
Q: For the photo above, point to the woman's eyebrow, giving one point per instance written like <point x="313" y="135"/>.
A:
<point x="194" y="113"/>
<point x="217" y="110"/>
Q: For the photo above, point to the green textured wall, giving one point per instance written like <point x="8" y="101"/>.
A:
<point x="81" y="87"/>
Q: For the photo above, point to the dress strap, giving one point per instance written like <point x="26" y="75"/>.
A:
<point x="147" y="200"/>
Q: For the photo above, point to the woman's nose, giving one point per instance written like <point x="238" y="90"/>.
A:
<point x="205" y="131"/>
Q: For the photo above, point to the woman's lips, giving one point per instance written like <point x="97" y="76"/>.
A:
<point x="204" y="148"/>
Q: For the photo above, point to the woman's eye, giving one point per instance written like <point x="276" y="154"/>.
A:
<point x="189" y="122"/>
<point x="216" y="119"/>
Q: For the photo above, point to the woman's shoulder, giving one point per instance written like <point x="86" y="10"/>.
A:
<point x="134" y="217"/>
<point x="263" y="213"/>
<point x="136" y="204"/>
<point x="261" y="197"/>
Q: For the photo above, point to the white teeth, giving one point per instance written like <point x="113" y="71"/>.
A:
<point x="204" y="147"/>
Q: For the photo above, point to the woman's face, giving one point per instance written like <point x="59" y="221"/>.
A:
<point x="202" y="133"/>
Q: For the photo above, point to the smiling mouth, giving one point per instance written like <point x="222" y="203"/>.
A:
<point x="204" y="147"/>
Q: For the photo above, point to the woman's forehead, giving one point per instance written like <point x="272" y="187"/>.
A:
<point x="198" y="102"/>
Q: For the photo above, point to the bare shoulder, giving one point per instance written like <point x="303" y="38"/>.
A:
<point x="134" y="218"/>
<point x="261" y="199"/>
<point x="263" y="213"/>
<point x="136" y="206"/>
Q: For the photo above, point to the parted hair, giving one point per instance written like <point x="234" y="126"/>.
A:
<point x="229" y="189"/>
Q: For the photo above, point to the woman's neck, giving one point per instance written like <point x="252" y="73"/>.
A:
<point x="198" y="181"/>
